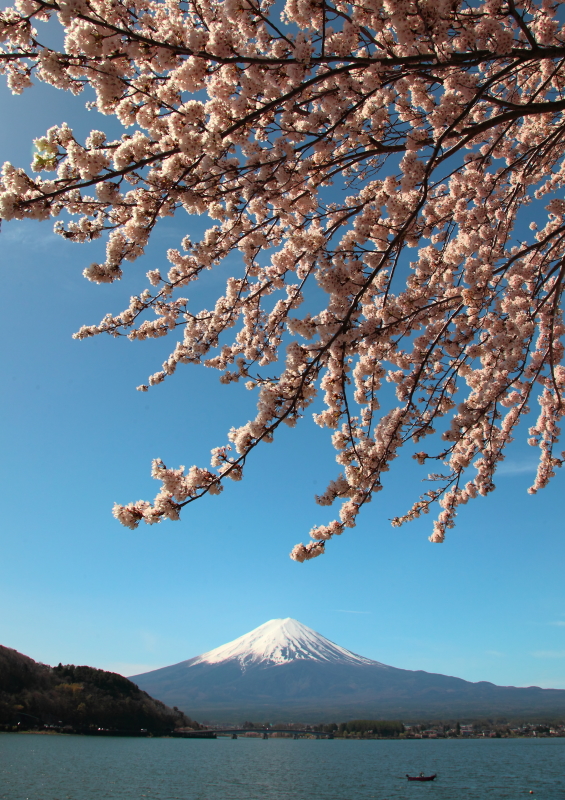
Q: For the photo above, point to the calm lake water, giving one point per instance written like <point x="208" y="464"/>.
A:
<point x="84" y="768"/>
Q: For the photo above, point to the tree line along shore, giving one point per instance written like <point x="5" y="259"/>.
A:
<point x="394" y="729"/>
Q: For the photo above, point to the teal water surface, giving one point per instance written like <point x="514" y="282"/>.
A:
<point x="34" y="767"/>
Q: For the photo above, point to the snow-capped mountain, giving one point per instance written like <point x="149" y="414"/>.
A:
<point x="280" y="641"/>
<point x="285" y="671"/>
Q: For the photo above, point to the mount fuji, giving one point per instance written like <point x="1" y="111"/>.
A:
<point x="284" y="671"/>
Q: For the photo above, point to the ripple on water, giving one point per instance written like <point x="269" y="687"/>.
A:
<point x="92" y="768"/>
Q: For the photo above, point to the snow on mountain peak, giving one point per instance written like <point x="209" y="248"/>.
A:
<point x="280" y="641"/>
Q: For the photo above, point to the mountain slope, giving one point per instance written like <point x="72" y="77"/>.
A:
<point x="286" y="671"/>
<point x="33" y="694"/>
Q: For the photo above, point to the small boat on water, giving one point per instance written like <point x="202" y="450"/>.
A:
<point x="422" y="777"/>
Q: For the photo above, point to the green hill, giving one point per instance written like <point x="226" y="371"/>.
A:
<point x="79" y="698"/>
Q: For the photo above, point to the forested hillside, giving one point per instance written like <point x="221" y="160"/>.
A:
<point x="82" y="698"/>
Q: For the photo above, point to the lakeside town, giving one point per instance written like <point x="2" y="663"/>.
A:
<point x="478" y="731"/>
<point x="373" y="729"/>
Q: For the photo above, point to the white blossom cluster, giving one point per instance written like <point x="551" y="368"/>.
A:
<point x="325" y="144"/>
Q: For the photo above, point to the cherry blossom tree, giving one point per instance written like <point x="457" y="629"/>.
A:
<point x="327" y="142"/>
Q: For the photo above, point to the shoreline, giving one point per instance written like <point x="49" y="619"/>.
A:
<point x="120" y="735"/>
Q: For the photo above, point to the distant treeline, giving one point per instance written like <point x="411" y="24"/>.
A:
<point x="375" y="727"/>
<point x="33" y="695"/>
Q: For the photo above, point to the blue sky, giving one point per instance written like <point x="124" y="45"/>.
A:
<point x="76" y="587"/>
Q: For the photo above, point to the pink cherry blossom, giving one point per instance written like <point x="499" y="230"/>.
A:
<point x="391" y="154"/>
